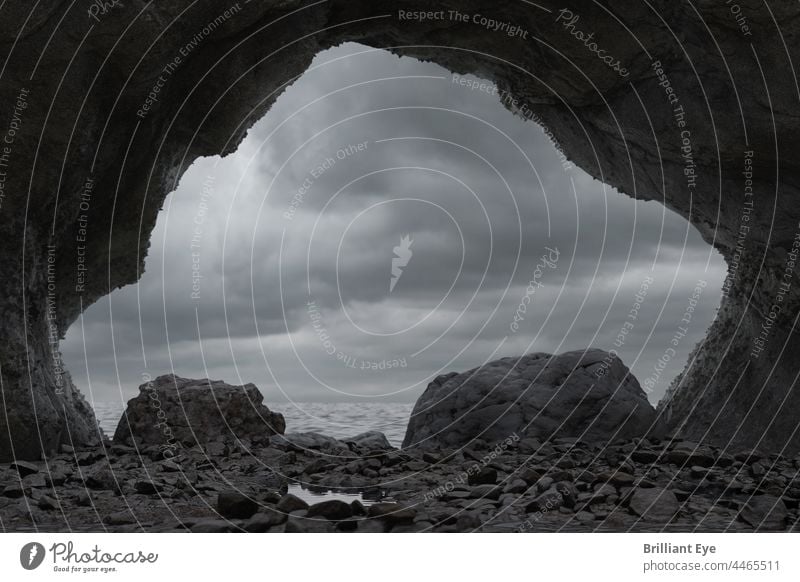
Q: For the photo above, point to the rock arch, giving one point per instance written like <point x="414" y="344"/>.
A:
<point x="109" y="104"/>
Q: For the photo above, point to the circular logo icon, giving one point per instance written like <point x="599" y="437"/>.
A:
<point x="31" y="555"/>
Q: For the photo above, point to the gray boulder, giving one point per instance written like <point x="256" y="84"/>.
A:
<point x="171" y="411"/>
<point x="589" y="394"/>
<point x="369" y="441"/>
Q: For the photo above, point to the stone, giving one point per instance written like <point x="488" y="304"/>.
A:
<point x="530" y="476"/>
<point x="691" y="456"/>
<point x="369" y="441"/>
<point x="392" y="512"/>
<point x="765" y="513"/>
<point x="195" y="412"/>
<point x="303" y="525"/>
<point x="654" y="504"/>
<point x="36" y="480"/>
<point x="333" y="510"/>
<point x="468" y="522"/>
<point x="290" y="503"/>
<point x="645" y="456"/>
<point x="311" y="441"/>
<point x="550" y="500"/>
<point x="431" y="458"/>
<point x="486" y="476"/>
<point x="536" y="395"/>
<point x="102" y="478"/>
<point x="585" y="516"/>
<point x="13" y="490"/>
<point x="24" y="468"/>
<point x="358" y="508"/>
<point x="235" y="505"/>
<point x="617" y="478"/>
<point x="47" y="503"/>
<point x="318" y="466"/>
<point x="147" y="487"/>
<point x="485" y="492"/>
<point x="264" y="520"/>
<point x="119" y="518"/>
<point x="516" y="486"/>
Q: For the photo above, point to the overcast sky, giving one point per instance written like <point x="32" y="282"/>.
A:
<point x="481" y="194"/>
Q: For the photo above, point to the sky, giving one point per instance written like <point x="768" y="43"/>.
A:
<point x="386" y="223"/>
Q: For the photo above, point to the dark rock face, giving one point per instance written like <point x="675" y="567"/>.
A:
<point x="172" y="412"/>
<point x="621" y="128"/>
<point x="589" y="395"/>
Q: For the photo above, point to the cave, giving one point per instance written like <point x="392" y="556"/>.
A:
<point x="106" y="110"/>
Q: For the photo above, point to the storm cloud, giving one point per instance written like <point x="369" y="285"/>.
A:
<point x="274" y="265"/>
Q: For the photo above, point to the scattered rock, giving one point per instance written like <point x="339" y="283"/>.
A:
<point x="305" y="441"/>
<point x="550" y="500"/>
<point x="654" y="504"/>
<point x="392" y="512"/>
<point x="765" y="513"/>
<point x="119" y="518"/>
<point x="235" y="505"/>
<point x="264" y="520"/>
<point x="486" y="476"/>
<point x="290" y="503"/>
<point x="24" y="468"/>
<point x="47" y="503"/>
<point x="333" y="510"/>
<point x="370" y="441"/>
<point x="147" y="487"/>
<point x="102" y="478"/>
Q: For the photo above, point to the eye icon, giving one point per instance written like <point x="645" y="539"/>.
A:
<point x="31" y="555"/>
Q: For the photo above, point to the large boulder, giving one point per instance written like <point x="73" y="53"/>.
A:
<point x="171" y="411"/>
<point x="586" y="394"/>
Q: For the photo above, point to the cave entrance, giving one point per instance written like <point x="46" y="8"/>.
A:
<point x="388" y="221"/>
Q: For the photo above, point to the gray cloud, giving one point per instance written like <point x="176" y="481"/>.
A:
<point x="481" y="193"/>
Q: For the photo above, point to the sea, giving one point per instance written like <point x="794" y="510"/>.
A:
<point x="338" y="420"/>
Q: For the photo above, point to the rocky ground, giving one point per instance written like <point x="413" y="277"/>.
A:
<point x="517" y="485"/>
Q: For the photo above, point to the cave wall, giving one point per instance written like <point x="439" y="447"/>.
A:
<point x="91" y="159"/>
